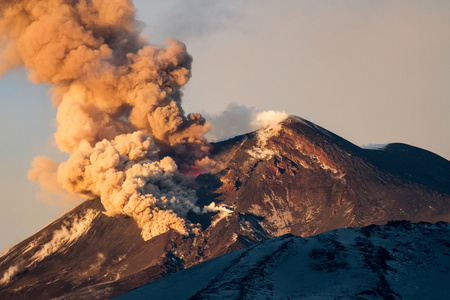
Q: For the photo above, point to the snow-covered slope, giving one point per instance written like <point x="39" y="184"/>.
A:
<point x="398" y="260"/>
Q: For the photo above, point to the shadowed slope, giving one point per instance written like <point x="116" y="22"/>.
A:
<point x="399" y="260"/>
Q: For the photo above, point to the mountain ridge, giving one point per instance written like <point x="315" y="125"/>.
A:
<point x="295" y="177"/>
<point x="390" y="261"/>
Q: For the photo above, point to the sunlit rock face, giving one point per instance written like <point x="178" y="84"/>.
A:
<point x="288" y="178"/>
<point x="302" y="179"/>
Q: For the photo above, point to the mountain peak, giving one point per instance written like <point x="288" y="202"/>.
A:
<point x="292" y="177"/>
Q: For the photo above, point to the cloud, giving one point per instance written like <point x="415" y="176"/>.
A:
<point x="239" y="119"/>
<point x="190" y="20"/>
<point x="235" y="119"/>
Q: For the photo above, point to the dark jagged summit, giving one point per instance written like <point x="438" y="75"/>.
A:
<point x="295" y="177"/>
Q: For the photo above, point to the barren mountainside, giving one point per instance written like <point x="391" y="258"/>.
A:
<point x="295" y="178"/>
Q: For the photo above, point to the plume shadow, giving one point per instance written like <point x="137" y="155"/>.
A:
<point x="206" y="186"/>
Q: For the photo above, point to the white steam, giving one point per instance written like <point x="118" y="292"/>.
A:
<point x="270" y="119"/>
<point x="270" y="123"/>
<point x="239" y="119"/>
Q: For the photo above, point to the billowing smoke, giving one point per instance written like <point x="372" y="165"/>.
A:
<point x="119" y="107"/>
<point x="127" y="175"/>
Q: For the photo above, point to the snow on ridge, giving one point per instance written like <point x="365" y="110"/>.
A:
<point x="10" y="273"/>
<point x="374" y="146"/>
<point x="66" y="235"/>
<point x="400" y="259"/>
<point x="260" y="153"/>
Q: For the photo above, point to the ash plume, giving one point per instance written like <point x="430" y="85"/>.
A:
<point x="119" y="103"/>
<point x="45" y="172"/>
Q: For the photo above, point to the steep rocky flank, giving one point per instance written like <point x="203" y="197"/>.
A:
<point x="294" y="178"/>
<point x="305" y="180"/>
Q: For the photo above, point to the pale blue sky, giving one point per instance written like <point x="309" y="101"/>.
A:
<point x="370" y="71"/>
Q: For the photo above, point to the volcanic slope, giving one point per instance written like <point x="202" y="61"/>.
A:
<point x="302" y="179"/>
<point x="295" y="177"/>
<point x="395" y="261"/>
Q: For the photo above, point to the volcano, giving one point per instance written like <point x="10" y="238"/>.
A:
<point x="292" y="178"/>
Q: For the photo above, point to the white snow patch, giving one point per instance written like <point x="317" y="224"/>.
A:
<point x="31" y="246"/>
<point x="304" y="164"/>
<point x="66" y="236"/>
<point x="24" y="249"/>
<point x="260" y="153"/>
<point x="10" y="273"/>
<point x="233" y="239"/>
<point x="325" y="167"/>
<point x="374" y="146"/>
<point x="219" y="217"/>
<point x="417" y="264"/>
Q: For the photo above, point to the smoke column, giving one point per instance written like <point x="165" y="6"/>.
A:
<point x="119" y="106"/>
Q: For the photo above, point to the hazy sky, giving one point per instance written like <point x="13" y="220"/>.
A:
<point x="370" y="71"/>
